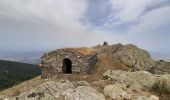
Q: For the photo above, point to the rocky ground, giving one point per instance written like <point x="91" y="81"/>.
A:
<point x="123" y="72"/>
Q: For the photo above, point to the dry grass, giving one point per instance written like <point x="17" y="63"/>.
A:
<point x="162" y="86"/>
<point x="83" y="51"/>
<point x="22" y="87"/>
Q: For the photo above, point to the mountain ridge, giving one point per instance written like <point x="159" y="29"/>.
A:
<point x="121" y="72"/>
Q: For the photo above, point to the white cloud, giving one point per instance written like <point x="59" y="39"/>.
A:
<point x="53" y="11"/>
<point x="57" y="23"/>
<point x="125" y="11"/>
<point x="152" y="21"/>
<point x="49" y="23"/>
<point x="152" y="31"/>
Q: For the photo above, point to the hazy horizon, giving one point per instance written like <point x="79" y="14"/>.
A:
<point x="41" y="25"/>
<point x="34" y="57"/>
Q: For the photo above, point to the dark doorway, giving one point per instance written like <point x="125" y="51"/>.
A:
<point x="67" y="66"/>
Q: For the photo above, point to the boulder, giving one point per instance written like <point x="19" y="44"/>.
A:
<point x="83" y="93"/>
<point x="118" y="91"/>
<point x="140" y="79"/>
<point x="135" y="58"/>
<point x="60" y="90"/>
<point x="51" y="90"/>
<point x="81" y="83"/>
<point x="2" y="97"/>
<point x="162" y="67"/>
<point x="152" y="97"/>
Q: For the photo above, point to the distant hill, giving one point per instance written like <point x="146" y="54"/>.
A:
<point x="21" y="56"/>
<point x="160" y="56"/>
<point x="12" y="73"/>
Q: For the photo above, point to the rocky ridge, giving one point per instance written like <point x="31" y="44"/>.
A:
<point x="123" y="72"/>
<point x="125" y="85"/>
<point x="134" y="58"/>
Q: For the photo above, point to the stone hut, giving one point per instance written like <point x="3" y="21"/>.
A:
<point x="68" y="61"/>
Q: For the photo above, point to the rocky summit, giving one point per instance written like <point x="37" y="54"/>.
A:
<point x="122" y="72"/>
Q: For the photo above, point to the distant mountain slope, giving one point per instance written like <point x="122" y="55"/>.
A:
<point x="12" y="73"/>
<point x="21" y="56"/>
<point x="160" y="56"/>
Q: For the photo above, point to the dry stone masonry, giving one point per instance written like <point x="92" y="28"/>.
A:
<point x="67" y="61"/>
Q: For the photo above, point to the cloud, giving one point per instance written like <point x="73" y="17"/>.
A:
<point x="124" y="11"/>
<point x="46" y="24"/>
<point x="153" y="29"/>
<point x="153" y="20"/>
<point x="53" y="11"/>
<point x="144" y="23"/>
<point x="40" y="24"/>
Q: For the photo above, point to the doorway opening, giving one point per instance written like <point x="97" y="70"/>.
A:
<point x="67" y="66"/>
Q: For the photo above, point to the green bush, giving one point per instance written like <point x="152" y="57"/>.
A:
<point x="17" y="92"/>
<point x="162" y="85"/>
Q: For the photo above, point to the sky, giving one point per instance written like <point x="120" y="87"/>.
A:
<point x="49" y="24"/>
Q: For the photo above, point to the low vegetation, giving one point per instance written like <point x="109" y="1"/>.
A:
<point x="12" y="73"/>
<point x="162" y="86"/>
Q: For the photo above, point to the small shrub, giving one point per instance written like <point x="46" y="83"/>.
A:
<point x="106" y="77"/>
<point x="162" y="86"/>
<point x="33" y="95"/>
<point x="16" y="93"/>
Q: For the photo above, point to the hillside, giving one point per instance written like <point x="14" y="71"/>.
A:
<point x="123" y="72"/>
<point x="12" y="73"/>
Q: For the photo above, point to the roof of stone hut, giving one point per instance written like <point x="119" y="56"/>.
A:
<point x="83" y="51"/>
<point x="88" y="52"/>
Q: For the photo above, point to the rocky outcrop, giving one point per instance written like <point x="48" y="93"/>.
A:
<point x="152" y="97"/>
<point x="133" y="84"/>
<point x="139" y="79"/>
<point x="83" y="93"/>
<point x="134" y="58"/>
<point x="130" y="85"/>
<point x="124" y="92"/>
<point x="60" y="90"/>
<point x="117" y="91"/>
<point x="162" y="67"/>
<point x="83" y="60"/>
<point x="115" y="85"/>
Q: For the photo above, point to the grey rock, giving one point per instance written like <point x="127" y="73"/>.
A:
<point x="61" y="90"/>
<point x="81" y="83"/>
<point x="116" y="91"/>
<point x="2" y="97"/>
<point x="162" y="67"/>
<point x="83" y="93"/>
<point x="135" y="58"/>
<point x="152" y="97"/>
<point x="139" y="79"/>
<point x="51" y="90"/>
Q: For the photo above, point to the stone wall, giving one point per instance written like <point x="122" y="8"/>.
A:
<point x="52" y="62"/>
<point x="92" y="61"/>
